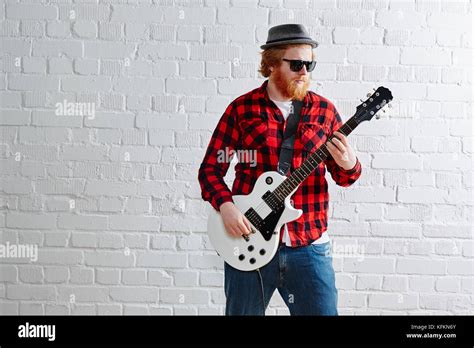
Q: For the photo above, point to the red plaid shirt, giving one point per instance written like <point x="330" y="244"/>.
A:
<point x="254" y="122"/>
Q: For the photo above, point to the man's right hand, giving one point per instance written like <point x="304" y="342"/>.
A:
<point x="235" y="222"/>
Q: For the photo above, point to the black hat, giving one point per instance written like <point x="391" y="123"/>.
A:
<point x="286" y="34"/>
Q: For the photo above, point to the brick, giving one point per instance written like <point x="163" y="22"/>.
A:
<point x="134" y="294"/>
<point x="160" y="259"/>
<point x="59" y="66"/>
<point x="82" y="294"/>
<point x="102" y="50"/>
<point x="421" y="195"/>
<point x="112" y="309"/>
<point x="370" y="265"/>
<point x="421" y="266"/>
<point x="107" y="276"/>
<point x="393" y="301"/>
<point x="141" y="14"/>
<point x="400" y="19"/>
<point x="30" y="221"/>
<point x="184" y="296"/>
<point x="57" y="29"/>
<point x="447" y="20"/>
<point x="109" y="259"/>
<point x="81" y="275"/>
<point x="111" y="31"/>
<point x="84" y="29"/>
<point x="8" y="273"/>
<point x="31" y="11"/>
<point x="48" y="48"/>
<point x="373" y="55"/>
<point x="9" y="28"/>
<point x="336" y="18"/>
<point x="30" y="274"/>
<point x="33" y="83"/>
<point x="163" y="51"/>
<point x="344" y="35"/>
<point x="425" y="56"/>
<point x="160" y="278"/>
<point x="95" y="12"/>
<point x="86" y="222"/>
<point x="126" y="222"/>
<point x="31" y="292"/>
<point x="352" y="299"/>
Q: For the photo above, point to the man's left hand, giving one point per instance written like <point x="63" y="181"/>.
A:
<point x="342" y="152"/>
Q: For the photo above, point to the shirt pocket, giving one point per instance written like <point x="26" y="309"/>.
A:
<point x="313" y="134"/>
<point x="254" y="133"/>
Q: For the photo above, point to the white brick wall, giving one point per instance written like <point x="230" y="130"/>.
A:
<point x="112" y="199"/>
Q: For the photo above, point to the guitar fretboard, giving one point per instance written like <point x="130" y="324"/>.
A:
<point x="310" y="164"/>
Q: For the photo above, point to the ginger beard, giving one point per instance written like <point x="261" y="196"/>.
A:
<point x="289" y="87"/>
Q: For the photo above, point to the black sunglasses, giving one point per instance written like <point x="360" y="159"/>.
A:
<point x="296" y="64"/>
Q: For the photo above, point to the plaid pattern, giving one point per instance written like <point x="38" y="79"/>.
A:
<point x="254" y="122"/>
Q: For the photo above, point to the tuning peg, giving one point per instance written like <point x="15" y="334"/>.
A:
<point x="361" y="99"/>
<point x="389" y="105"/>
<point x="369" y="94"/>
<point x="377" y="116"/>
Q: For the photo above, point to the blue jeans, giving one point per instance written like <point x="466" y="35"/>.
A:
<point x="304" y="278"/>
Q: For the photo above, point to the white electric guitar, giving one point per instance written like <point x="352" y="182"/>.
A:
<point x="268" y="206"/>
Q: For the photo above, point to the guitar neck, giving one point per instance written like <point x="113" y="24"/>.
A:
<point x="310" y="164"/>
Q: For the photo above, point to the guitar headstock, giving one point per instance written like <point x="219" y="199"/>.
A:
<point x="375" y="102"/>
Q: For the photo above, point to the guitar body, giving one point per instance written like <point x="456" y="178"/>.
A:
<point x="259" y="249"/>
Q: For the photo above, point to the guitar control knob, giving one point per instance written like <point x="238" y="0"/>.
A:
<point x="241" y="257"/>
<point x="250" y="248"/>
<point x="252" y="260"/>
<point x="262" y="251"/>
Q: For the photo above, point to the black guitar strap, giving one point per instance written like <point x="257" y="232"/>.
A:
<point x="287" y="146"/>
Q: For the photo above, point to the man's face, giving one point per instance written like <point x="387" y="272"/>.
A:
<point x="292" y="84"/>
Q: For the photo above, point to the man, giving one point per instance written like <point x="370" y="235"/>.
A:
<point x="302" y="267"/>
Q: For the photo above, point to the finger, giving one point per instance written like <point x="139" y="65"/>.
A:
<point x="247" y="223"/>
<point x="343" y="154"/>
<point x="339" y="145"/>
<point x="333" y="149"/>
<point x="242" y="228"/>
<point x="232" y="232"/>
<point x="341" y="137"/>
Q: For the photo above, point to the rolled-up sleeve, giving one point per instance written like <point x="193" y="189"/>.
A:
<point x="214" y="166"/>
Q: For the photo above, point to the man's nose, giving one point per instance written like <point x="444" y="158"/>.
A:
<point x="303" y="71"/>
